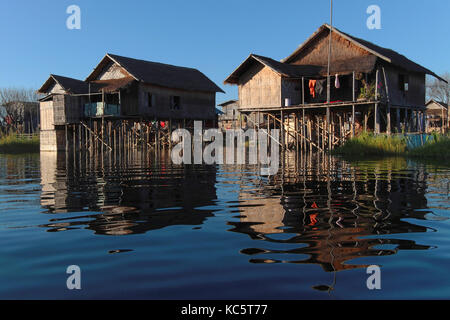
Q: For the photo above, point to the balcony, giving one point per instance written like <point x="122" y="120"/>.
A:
<point x="101" y="109"/>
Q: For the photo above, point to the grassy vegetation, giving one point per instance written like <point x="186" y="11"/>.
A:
<point x="10" y="143"/>
<point x="383" y="145"/>
<point x="436" y="147"/>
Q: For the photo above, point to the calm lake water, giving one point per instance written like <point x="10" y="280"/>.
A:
<point x="140" y="227"/>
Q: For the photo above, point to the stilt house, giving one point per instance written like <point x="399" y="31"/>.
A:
<point x="371" y="88"/>
<point x="121" y="88"/>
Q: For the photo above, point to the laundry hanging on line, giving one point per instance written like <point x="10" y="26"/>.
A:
<point x="320" y="87"/>
<point x="312" y="88"/>
<point x="337" y="84"/>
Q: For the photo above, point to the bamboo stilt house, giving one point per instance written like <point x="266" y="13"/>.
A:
<point x="367" y="83"/>
<point x="229" y="119"/>
<point x="125" y="88"/>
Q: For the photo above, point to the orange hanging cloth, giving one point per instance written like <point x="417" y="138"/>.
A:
<point x="312" y="87"/>
<point x="313" y="218"/>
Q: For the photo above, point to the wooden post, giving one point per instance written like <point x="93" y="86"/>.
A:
<point x="327" y="121"/>
<point x="296" y="132"/>
<point x="376" y="116"/>
<point x="353" y="105"/>
<point x="399" y="129"/>
<point x="318" y="130"/>
<point x="282" y="130"/>
<point x="303" y="129"/>
<point x="66" y="146"/>
<point x="424" y="129"/>
<point x="366" y="119"/>
<point x="158" y="137"/>
<point x="406" y="120"/>
<point x="310" y="134"/>
<point x="73" y="138"/>
<point x="331" y="133"/>
<point x="388" y="106"/>
<point x="170" y="134"/>
<point x="303" y="91"/>
<point x="324" y="133"/>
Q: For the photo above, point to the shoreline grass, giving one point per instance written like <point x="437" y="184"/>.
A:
<point x="12" y="144"/>
<point x="436" y="146"/>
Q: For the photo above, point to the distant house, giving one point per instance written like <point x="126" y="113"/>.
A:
<point x="437" y="115"/>
<point x="229" y="119"/>
<point x="125" y="88"/>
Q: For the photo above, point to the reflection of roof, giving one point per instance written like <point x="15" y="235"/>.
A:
<point x="156" y="73"/>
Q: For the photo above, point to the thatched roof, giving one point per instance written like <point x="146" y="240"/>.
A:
<point x="385" y="54"/>
<point x="361" y="64"/>
<point x="70" y="85"/>
<point x="160" y="74"/>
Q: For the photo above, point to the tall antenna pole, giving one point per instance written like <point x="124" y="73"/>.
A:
<point x="329" y="54"/>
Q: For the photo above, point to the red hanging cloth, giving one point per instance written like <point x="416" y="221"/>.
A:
<point x="312" y="87"/>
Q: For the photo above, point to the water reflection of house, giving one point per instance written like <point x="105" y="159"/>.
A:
<point x="329" y="222"/>
<point x="118" y="200"/>
<point x="262" y="215"/>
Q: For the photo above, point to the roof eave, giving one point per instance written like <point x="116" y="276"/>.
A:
<point x="229" y="79"/>
<point x="96" y="70"/>
<point x="47" y="83"/>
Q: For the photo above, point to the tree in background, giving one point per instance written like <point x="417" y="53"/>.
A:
<point x="439" y="90"/>
<point x="22" y="108"/>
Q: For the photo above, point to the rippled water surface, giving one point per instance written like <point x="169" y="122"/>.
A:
<point x="140" y="227"/>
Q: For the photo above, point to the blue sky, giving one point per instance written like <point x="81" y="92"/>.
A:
<point x="212" y="36"/>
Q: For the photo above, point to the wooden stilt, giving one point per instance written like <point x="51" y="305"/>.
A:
<point x="353" y="106"/>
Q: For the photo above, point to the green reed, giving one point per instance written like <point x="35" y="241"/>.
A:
<point x="368" y="144"/>
<point x="13" y="144"/>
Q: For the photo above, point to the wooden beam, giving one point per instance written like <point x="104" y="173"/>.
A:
<point x="353" y="105"/>
<point x="376" y="116"/>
